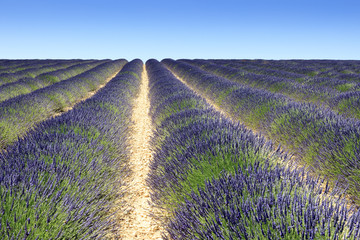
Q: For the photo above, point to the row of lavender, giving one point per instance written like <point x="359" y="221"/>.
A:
<point x="7" y="64"/>
<point x="268" y="81"/>
<point x="62" y="179"/>
<point x="217" y="180"/>
<point x="341" y="69"/>
<point x="338" y="94"/>
<point x="36" y="69"/>
<point x="21" y="113"/>
<point x="28" y="85"/>
<point x="342" y="76"/>
<point x="12" y="66"/>
<point x="317" y="136"/>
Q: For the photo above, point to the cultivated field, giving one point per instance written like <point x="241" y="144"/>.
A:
<point x="179" y="149"/>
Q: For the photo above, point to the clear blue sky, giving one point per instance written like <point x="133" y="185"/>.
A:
<point x="267" y="29"/>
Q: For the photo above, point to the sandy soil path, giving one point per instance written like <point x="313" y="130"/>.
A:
<point x="137" y="222"/>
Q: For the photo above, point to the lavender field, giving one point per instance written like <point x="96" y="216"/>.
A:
<point x="179" y="149"/>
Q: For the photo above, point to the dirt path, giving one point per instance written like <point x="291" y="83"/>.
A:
<point x="137" y="222"/>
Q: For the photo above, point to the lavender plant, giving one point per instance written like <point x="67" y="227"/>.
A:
<point x="28" y="85"/>
<point x="303" y="91"/>
<point x="217" y="180"/>
<point x="61" y="180"/>
<point x="11" y="66"/>
<point x="18" y="115"/>
<point x="319" y="137"/>
<point x="34" y="71"/>
<point x="259" y="202"/>
<point x="192" y="141"/>
<point x="347" y="104"/>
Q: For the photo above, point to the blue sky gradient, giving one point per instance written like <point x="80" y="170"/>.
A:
<point x="253" y="29"/>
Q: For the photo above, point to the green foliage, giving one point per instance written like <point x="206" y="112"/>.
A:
<point x="131" y="73"/>
<point x="312" y="74"/>
<point x="347" y="108"/>
<point x="175" y="107"/>
<point x="50" y="79"/>
<point x="223" y="94"/>
<point x="344" y="87"/>
<point x="260" y="114"/>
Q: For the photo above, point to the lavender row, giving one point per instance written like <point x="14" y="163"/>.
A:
<point x="187" y="127"/>
<point x="318" y="137"/>
<point x="320" y="79"/>
<point x="217" y="180"/>
<point x="8" y="64"/>
<point x="11" y="66"/>
<point x="19" y="114"/>
<point x="261" y="203"/>
<point x="341" y="69"/>
<point x="254" y="66"/>
<point x="344" y="79"/>
<point x="321" y="92"/>
<point x="347" y="104"/>
<point x="61" y="181"/>
<point x="35" y="71"/>
<point x="28" y="85"/>
<point x="291" y="66"/>
<point x="311" y="90"/>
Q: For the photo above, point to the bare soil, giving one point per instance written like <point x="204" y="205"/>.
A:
<point x="137" y="222"/>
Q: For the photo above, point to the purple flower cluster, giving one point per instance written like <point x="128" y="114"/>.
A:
<point x="258" y="203"/>
<point x="60" y="181"/>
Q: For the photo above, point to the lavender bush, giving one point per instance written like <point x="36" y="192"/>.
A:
<point x="18" y="115"/>
<point x="319" y="137"/>
<point x="35" y="70"/>
<point x="215" y="179"/>
<point x="60" y="181"/>
<point x="27" y="85"/>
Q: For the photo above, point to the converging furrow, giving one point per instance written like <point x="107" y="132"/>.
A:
<point x="138" y="223"/>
